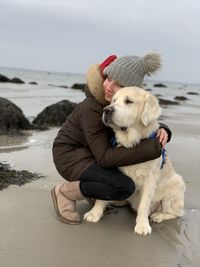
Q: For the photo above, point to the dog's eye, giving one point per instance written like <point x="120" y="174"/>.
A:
<point x="128" y="101"/>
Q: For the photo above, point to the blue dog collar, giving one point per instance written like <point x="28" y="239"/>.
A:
<point x="152" y="136"/>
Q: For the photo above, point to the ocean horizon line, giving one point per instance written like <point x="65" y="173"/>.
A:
<point x="83" y="74"/>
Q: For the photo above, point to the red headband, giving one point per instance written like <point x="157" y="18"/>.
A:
<point x="106" y="62"/>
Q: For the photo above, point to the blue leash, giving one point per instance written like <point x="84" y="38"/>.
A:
<point x="163" y="153"/>
<point x="114" y="142"/>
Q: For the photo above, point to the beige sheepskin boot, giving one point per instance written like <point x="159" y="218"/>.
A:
<point x="64" y="198"/>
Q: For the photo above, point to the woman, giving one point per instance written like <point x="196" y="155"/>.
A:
<point x="82" y="150"/>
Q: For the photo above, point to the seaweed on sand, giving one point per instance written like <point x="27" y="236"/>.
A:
<point x="10" y="176"/>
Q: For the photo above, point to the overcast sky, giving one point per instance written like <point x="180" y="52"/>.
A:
<point x="69" y="35"/>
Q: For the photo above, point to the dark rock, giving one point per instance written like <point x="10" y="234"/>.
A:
<point x="34" y="83"/>
<point x="54" y="115"/>
<point x="148" y="89"/>
<point x="80" y="86"/>
<point x="159" y="85"/>
<point x="181" y="98"/>
<point x="62" y="86"/>
<point x="167" y="102"/>
<point x="192" y="93"/>
<point x="4" y="79"/>
<point x="16" y="80"/>
<point x="9" y="176"/>
<point x="12" y="119"/>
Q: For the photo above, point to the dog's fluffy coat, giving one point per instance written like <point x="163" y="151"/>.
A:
<point x="133" y="115"/>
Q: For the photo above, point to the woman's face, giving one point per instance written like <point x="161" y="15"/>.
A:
<point x="110" y="88"/>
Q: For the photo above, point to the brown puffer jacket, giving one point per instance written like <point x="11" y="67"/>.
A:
<point x="83" y="139"/>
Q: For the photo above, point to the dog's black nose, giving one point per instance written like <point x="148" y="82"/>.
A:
<point x="108" y="110"/>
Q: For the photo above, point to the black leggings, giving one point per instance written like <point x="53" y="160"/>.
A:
<point x="106" y="184"/>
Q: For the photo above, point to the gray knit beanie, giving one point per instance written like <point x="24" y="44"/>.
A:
<point x="131" y="70"/>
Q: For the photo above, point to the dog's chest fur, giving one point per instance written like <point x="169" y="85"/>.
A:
<point x="138" y="172"/>
<point x="141" y="171"/>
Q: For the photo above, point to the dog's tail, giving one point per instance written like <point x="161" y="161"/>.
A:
<point x="152" y="62"/>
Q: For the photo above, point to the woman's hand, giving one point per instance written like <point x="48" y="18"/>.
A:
<point x="163" y="136"/>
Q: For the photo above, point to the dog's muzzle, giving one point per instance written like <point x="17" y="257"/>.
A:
<point x="107" y="114"/>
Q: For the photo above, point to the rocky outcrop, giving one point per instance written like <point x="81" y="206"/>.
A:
<point x="63" y="86"/>
<point x="12" y="119"/>
<point x="60" y="86"/>
<point x="33" y="83"/>
<point x="159" y="85"/>
<point x="164" y="102"/>
<point x="181" y="98"/>
<point x="5" y="79"/>
<point x="16" y="80"/>
<point x="80" y="86"/>
<point x="192" y="93"/>
<point x="54" y="115"/>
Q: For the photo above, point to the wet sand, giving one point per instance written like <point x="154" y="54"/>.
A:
<point x="31" y="235"/>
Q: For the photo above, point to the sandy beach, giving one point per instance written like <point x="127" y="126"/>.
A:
<point x="31" y="235"/>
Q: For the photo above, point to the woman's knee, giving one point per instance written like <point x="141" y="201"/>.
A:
<point x="124" y="190"/>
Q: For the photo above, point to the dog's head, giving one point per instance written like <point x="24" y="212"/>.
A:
<point x="131" y="105"/>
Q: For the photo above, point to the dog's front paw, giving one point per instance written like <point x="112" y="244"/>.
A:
<point x="142" y="229"/>
<point x="157" y="217"/>
<point x="92" y="217"/>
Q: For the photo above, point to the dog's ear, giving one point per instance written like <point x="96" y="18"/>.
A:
<point x="151" y="111"/>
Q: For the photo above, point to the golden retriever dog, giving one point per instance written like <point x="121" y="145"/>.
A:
<point x="133" y="114"/>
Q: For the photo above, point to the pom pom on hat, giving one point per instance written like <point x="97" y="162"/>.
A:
<point x="152" y="62"/>
<point x="131" y="70"/>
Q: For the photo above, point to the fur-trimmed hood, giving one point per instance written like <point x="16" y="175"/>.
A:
<point x="94" y="82"/>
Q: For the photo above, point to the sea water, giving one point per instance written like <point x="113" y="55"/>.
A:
<point x="32" y="99"/>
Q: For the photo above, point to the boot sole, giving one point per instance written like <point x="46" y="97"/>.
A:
<point x="61" y="218"/>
